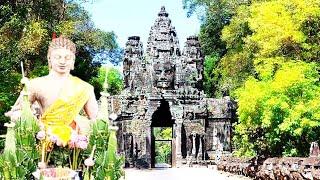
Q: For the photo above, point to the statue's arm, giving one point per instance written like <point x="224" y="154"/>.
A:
<point x="91" y="107"/>
<point x="15" y="111"/>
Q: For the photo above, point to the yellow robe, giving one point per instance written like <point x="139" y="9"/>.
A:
<point x="61" y="114"/>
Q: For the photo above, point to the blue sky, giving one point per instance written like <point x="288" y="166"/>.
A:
<point x="135" y="17"/>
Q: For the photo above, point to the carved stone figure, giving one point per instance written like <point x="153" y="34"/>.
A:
<point x="60" y="104"/>
<point x="215" y="140"/>
<point x="314" y="149"/>
<point x="163" y="76"/>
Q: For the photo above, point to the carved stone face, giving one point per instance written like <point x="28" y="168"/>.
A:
<point x="163" y="75"/>
<point x="129" y="77"/>
<point x="61" y="60"/>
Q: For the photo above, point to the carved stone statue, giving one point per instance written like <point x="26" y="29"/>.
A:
<point x="163" y="75"/>
<point x="314" y="149"/>
<point x="60" y="95"/>
<point x="215" y="140"/>
<point x="142" y="106"/>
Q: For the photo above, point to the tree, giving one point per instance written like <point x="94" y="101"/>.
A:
<point x="217" y="14"/>
<point x="115" y="82"/>
<point x="211" y="75"/>
<point x="280" y="115"/>
<point x="270" y="65"/>
<point x="278" y="105"/>
<point x="114" y="79"/>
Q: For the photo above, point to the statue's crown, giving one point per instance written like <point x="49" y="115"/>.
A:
<point x="62" y="42"/>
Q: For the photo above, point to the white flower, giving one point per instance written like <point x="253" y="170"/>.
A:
<point x="113" y="116"/>
<point x="82" y="138"/>
<point x="59" y="143"/>
<point x="41" y="135"/>
<point x="73" y="139"/>
<point x="42" y="165"/>
<point x="89" y="162"/>
<point x="82" y="142"/>
<point x="53" y="138"/>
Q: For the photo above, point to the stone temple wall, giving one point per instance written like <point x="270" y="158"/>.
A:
<point x="164" y="88"/>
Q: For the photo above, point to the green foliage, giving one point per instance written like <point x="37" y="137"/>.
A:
<point x="237" y="64"/>
<point x="270" y="64"/>
<point x="27" y="153"/>
<point x="210" y="33"/>
<point x="163" y="148"/>
<point x="33" y="37"/>
<point x="114" y="79"/>
<point x="277" y="25"/>
<point x="163" y="152"/>
<point x="2" y="142"/>
<point x="162" y="133"/>
<point x="234" y="68"/>
<point x="211" y="74"/>
<point x="281" y="97"/>
<point x="99" y="81"/>
<point x="40" y="71"/>
<point x="20" y="155"/>
<point x="311" y="48"/>
<point x="107" y="162"/>
<point x="280" y="115"/>
<point x="10" y="88"/>
<point x="217" y="15"/>
<point x="115" y="83"/>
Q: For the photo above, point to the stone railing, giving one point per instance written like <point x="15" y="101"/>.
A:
<point x="273" y="168"/>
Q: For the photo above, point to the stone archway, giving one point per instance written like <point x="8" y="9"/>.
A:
<point x="162" y="135"/>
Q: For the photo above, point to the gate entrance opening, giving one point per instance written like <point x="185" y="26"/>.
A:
<point x="163" y="146"/>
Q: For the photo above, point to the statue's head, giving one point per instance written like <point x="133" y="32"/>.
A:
<point x="163" y="75"/>
<point x="61" y="55"/>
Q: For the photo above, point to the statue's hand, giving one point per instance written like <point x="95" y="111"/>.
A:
<point x="25" y="81"/>
<point x="14" y="115"/>
<point x="92" y="121"/>
<point x="41" y="125"/>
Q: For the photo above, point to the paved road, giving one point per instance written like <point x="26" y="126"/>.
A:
<point x="180" y="174"/>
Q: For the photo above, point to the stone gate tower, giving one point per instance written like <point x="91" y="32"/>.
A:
<point x="163" y="90"/>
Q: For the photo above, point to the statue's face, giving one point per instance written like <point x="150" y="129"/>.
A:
<point x="61" y="60"/>
<point x="163" y="23"/>
<point x="163" y="75"/>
